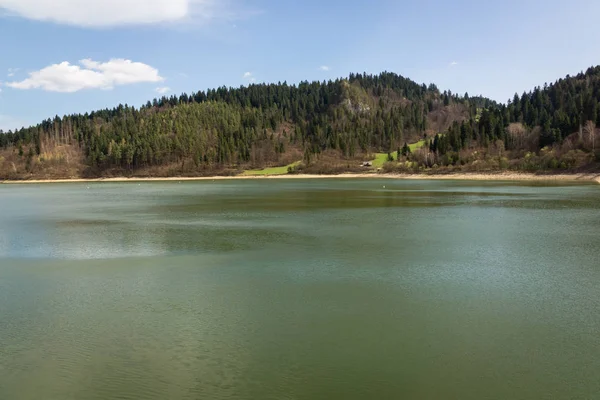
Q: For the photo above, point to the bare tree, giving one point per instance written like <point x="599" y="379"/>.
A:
<point x="590" y="128"/>
<point x="517" y="132"/>
<point x="497" y="147"/>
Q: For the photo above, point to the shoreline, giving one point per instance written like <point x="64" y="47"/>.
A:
<point x="508" y="176"/>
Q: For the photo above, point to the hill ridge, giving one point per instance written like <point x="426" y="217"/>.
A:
<point x="328" y="125"/>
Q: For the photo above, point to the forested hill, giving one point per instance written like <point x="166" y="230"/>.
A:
<point x="317" y="127"/>
<point x="547" y="128"/>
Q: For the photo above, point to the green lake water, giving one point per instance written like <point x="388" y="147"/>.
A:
<point x="300" y="289"/>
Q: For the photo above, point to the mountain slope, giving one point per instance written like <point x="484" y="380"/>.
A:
<point x="548" y="128"/>
<point x="324" y="124"/>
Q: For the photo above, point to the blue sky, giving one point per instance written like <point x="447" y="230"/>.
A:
<point x="134" y="49"/>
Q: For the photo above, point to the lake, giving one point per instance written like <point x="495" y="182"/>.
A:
<point x="300" y="289"/>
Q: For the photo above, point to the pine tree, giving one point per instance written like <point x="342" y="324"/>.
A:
<point x="406" y="150"/>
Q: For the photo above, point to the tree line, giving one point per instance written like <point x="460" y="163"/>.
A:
<point x="544" y="117"/>
<point x="255" y="125"/>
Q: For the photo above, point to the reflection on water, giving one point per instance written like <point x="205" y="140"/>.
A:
<point x="101" y="220"/>
<point x="346" y="289"/>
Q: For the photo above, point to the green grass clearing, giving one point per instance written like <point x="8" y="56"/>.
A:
<point x="270" y="171"/>
<point x="382" y="158"/>
<point x="416" y="146"/>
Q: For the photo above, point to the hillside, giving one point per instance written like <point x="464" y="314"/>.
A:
<point x="318" y="127"/>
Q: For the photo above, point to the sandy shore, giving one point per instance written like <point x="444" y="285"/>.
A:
<point x="509" y="176"/>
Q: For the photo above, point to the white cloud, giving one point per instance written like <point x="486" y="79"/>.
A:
<point x="453" y="63"/>
<point x="250" y="77"/>
<point x="12" y="72"/>
<point x="183" y="75"/>
<point x="324" y="68"/>
<point x="102" y="13"/>
<point x="162" y="90"/>
<point x="68" y="78"/>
